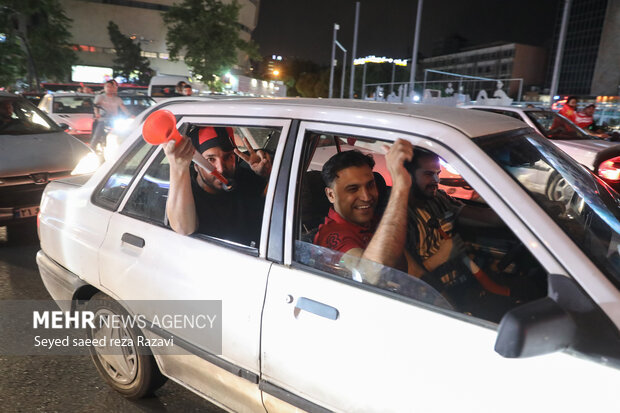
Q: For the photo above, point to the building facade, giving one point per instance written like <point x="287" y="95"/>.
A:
<point x="141" y="20"/>
<point x="591" y="58"/>
<point x="501" y="61"/>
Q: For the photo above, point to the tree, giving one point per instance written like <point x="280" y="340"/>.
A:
<point x="41" y="29"/>
<point x="207" y="31"/>
<point x="129" y="61"/>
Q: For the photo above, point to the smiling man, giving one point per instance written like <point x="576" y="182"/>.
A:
<point x="352" y="225"/>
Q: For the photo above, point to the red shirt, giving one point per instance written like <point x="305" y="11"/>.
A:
<point x="341" y="235"/>
<point x="568" y="113"/>
<point x="582" y="120"/>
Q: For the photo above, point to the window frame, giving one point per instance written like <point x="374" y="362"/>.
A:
<point x="521" y="231"/>
<point x="95" y="195"/>
<point x="233" y="121"/>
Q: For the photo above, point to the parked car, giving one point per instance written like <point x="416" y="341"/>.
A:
<point x="600" y="156"/>
<point x="33" y="152"/>
<point x="304" y="327"/>
<point x="72" y="111"/>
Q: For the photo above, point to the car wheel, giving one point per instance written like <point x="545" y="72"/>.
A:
<point x="559" y="190"/>
<point x="130" y="372"/>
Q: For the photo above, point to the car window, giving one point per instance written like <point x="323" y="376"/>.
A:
<point x="20" y="117"/>
<point x="148" y="199"/>
<point x="554" y="126"/>
<point x="234" y="216"/>
<point x="135" y="104"/>
<point x="494" y="273"/>
<point x="72" y="104"/>
<point x="579" y="202"/>
<point x="111" y="191"/>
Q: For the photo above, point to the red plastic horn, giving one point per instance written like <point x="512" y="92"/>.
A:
<point x="161" y="127"/>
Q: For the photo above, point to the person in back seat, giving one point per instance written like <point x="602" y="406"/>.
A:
<point x="352" y="225"/>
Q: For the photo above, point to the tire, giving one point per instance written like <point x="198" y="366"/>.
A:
<point x="133" y="374"/>
<point x="559" y="190"/>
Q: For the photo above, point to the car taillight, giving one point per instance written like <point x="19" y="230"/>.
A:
<point x="39" y="224"/>
<point x="610" y="169"/>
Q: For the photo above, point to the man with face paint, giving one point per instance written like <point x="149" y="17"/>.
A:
<point x="199" y="202"/>
<point x="432" y="215"/>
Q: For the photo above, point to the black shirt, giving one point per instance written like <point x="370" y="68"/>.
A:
<point x="235" y="215"/>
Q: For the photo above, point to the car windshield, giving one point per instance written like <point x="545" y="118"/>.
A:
<point x="584" y="207"/>
<point x="73" y="104"/>
<point x="19" y="117"/>
<point x="135" y="104"/>
<point x="554" y="126"/>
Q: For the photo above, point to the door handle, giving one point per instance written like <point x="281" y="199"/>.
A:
<point x="314" y="307"/>
<point x="133" y="240"/>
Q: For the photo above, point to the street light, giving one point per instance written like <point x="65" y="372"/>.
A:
<point x="332" y="65"/>
<point x="331" y="62"/>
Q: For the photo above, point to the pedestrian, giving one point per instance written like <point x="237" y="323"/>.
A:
<point x="570" y="108"/>
<point x="107" y="105"/>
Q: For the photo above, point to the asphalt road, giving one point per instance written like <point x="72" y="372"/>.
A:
<point x="64" y="383"/>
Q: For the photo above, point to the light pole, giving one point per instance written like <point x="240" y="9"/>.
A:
<point x="414" y="54"/>
<point x="357" y="18"/>
<point x="331" y="63"/>
<point x="558" y="56"/>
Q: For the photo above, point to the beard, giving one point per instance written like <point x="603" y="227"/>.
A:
<point x="213" y="183"/>
<point x="422" y="195"/>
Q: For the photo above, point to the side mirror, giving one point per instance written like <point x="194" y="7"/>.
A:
<point x="535" y="328"/>
<point x="567" y="318"/>
<point x="63" y="126"/>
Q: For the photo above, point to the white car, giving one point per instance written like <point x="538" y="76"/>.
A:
<point x="299" y="327"/>
<point x="72" y="111"/>
<point x="600" y="156"/>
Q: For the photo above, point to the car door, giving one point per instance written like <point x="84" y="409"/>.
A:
<point x="143" y="259"/>
<point x="332" y="343"/>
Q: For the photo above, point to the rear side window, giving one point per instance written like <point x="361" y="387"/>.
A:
<point x="148" y="200"/>
<point x="111" y="191"/>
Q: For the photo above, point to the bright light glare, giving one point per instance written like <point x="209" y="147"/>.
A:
<point x="111" y="146"/>
<point x="87" y="164"/>
<point x="39" y="120"/>
<point x="122" y="124"/>
<point x="416" y="98"/>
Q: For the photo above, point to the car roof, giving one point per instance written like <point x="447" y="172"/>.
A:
<point x="498" y="107"/>
<point x="73" y="94"/>
<point x="471" y="123"/>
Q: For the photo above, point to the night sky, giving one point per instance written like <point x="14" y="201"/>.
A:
<point x="303" y="28"/>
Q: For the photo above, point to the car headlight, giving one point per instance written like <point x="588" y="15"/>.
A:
<point x="89" y="163"/>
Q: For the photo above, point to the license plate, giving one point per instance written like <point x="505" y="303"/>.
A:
<point x="26" y="212"/>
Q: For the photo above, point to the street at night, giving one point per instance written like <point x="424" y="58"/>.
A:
<point x="65" y="383"/>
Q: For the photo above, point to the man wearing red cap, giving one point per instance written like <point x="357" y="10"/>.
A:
<point x="199" y="202"/>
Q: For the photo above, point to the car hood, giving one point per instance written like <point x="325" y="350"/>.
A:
<point x="44" y="152"/>
<point x="585" y="151"/>
<point x="77" y="121"/>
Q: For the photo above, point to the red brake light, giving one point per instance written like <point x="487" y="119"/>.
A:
<point x="610" y="169"/>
